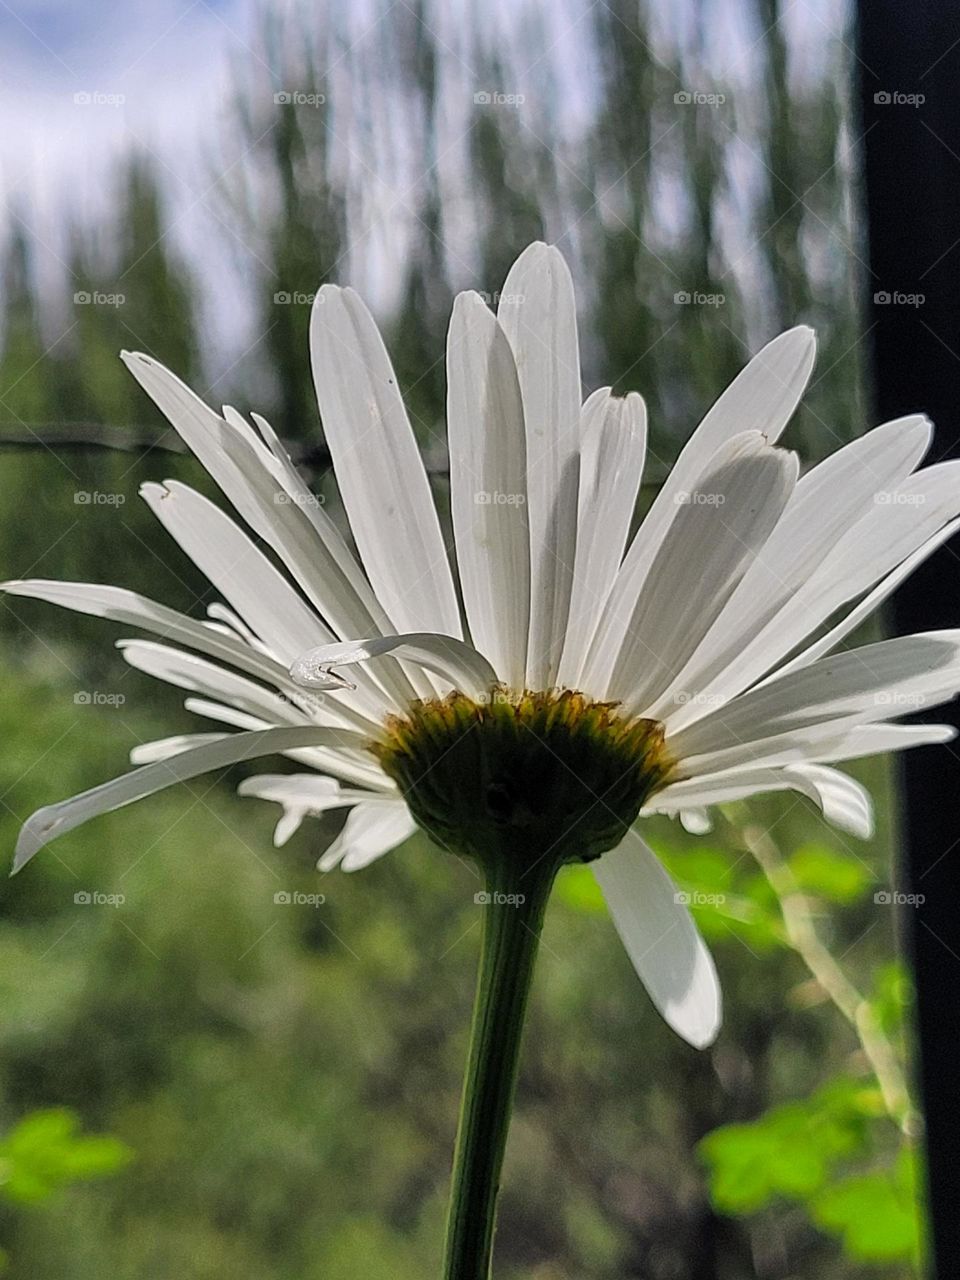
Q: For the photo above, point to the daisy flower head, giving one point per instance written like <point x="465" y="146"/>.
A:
<point x="527" y="688"/>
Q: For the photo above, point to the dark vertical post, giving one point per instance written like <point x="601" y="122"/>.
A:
<point x="909" y="69"/>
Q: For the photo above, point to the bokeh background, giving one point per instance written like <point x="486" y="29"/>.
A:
<point x="197" y="1080"/>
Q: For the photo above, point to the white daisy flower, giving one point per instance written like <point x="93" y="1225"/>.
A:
<point x="590" y="676"/>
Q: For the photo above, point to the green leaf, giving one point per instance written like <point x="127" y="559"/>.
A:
<point x="45" y="1152"/>
<point x="726" y="901"/>
<point x="876" y="1214"/>
<point x="577" y="888"/>
<point x="892" y="997"/>
<point x="789" y="1151"/>
<point x="702" y="867"/>
<point x="828" y="874"/>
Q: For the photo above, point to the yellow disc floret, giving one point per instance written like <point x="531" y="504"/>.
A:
<point x="533" y="775"/>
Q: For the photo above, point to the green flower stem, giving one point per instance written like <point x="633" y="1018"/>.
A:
<point x="513" y="914"/>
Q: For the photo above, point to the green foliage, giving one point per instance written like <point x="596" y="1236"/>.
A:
<point x="875" y="1214"/>
<point x="803" y="1151"/>
<point x="46" y="1152"/>
<point x="727" y="895"/>
<point x="892" y="997"/>
<point x="791" y="1150"/>
<point x="829" y="874"/>
<point x="577" y="889"/>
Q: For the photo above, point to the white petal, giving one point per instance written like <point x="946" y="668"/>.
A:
<point x="223" y="714"/>
<point x="761" y="398"/>
<point x="56" y="819"/>
<point x="488" y="485"/>
<point x="711" y="543"/>
<point x="614" y="441"/>
<point x="220" y="614"/>
<point x="312" y="791"/>
<point x="119" y="605"/>
<point x="876" y="544"/>
<point x="661" y="939"/>
<point x="826" y="503"/>
<point x="876" y="682"/>
<point x="238" y="569"/>
<point x="830" y="742"/>
<point x="288" y="704"/>
<point x="371" y="830"/>
<point x="450" y="659"/>
<point x="696" y="822"/>
<point x="339" y="562"/>
<point x="354" y="766"/>
<point x="843" y="801"/>
<point x="877" y="739"/>
<point x="288" y="824"/>
<point x="164" y="748"/>
<point x="538" y="314"/>
<point x="379" y="469"/>
<point x="301" y="795"/>
<point x="301" y="534"/>
<point x="869" y="604"/>
<point x="187" y="671"/>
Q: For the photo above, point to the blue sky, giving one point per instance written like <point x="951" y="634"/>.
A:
<point x="80" y="84"/>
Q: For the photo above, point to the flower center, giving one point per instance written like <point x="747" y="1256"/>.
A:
<point x="524" y="775"/>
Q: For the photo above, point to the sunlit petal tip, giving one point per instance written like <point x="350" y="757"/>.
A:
<point x="370" y="831"/>
<point x="696" y="821"/>
<point x="138" y="360"/>
<point x="443" y="655"/>
<point x="35" y="833"/>
<point x="328" y="291"/>
<point x="802" y="337"/>
<point x="313" y="673"/>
